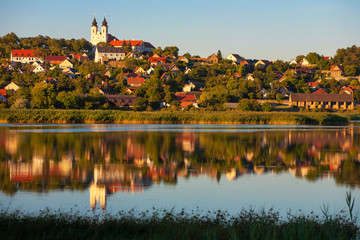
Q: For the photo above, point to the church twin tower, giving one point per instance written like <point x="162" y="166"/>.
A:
<point x="96" y="36"/>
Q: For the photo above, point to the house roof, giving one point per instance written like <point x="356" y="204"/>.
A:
<point x="55" y="58"/>
<point x="136" y="80"/>
<point x="148" y="45"/>
<point x="320" y="91"/>
<point x="237" y="56"/>
<point x="23" y="53"/>
<point x="119" y="43"/>
<point x="309" y="97"/>
<point x="121" y="100"/>
<point x="3" y="92"/>
<point x="336" y="68"/>
<point x="312" y="84"/>
<point x="110" y="50"/>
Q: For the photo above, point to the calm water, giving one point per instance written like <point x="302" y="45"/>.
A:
<point x="106" y="168"/>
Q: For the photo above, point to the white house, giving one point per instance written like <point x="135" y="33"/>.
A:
<point x="24" y="56"/>
<point x="235" y="58"/>
<point x="38" y="69"/>
<point x="12" y="86"/>
<point x="111" y="53"/>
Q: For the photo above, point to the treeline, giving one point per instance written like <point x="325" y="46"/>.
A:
<point x="44" y="44"/>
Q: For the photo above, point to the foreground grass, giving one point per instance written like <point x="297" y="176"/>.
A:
<point x="116" y="116"/>
<point x="169" y="225"/>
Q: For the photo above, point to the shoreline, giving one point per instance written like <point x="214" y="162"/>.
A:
<point x="176" y="117"/>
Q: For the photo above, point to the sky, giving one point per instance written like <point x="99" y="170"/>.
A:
<point x="260" y="29"/>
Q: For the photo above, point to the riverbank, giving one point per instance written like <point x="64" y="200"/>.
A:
<point x="248" y="224"/>
<point x="178" y="117"/>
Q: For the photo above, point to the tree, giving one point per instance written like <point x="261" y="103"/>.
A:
<point x="312" y="58"/>
<point x="299" y="58"/>
<point x="171" y="51"/>
<point x="68" y="100"/>
<point x="43" y="95"/>
<point x="350" y="70"/>
<point x="219" y="55"/>
<point x="266" y="107"/>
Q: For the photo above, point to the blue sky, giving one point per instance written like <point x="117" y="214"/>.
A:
<point x="261" y="29"/>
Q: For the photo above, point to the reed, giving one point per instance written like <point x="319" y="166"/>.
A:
<point x="117" y="116"/>
<point x="164" y="224"/>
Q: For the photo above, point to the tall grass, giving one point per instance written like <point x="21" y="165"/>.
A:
<point x="163" y="224"/>
<point x="116" y="116"/>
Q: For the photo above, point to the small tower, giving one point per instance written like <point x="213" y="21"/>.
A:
<point x="104" y="31"/>
<point x="94" y="33"/>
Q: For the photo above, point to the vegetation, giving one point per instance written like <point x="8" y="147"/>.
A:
<point x="113" y="116"/>
<point x="163" y="224"/>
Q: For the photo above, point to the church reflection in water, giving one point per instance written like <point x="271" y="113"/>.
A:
<point x="106" y="163"/>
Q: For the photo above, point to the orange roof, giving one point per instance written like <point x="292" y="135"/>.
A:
<point x="312" y="84"/>
<point x="320" y="91"/>
<point x="335" y="67"/>
<point x="3" y="92"/>
<point x="136" y="80"/>
<point x="23" y="53"/>
<point x="119" y="43"/>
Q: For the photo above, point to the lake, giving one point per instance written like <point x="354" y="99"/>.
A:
<point x="106" y="168"/>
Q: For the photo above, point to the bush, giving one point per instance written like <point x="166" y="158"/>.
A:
<point x="248" y="105"/>
<point x="266" y="107"/>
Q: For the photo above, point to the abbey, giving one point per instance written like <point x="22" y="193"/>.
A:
<point x="104" y="36"/>
<point x="100" y="36"/>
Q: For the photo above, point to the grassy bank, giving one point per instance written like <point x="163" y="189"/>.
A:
<point x="169" y="225"/>
<point x="113" y="116"/>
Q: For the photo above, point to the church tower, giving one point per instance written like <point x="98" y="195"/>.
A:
<point x="94" y="33"/>
<point x="104" y="31"/>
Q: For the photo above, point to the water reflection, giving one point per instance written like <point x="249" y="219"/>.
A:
<point x="133" y="161"/>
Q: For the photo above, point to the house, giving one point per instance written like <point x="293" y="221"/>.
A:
<point x="186" y="99"/>
<point x="150" y="70"/>
<point x="336" y="71"/>
<point x="322" y="101"/>
<point x="50" y="80"/>
<point x="250" y="77"/>
<point x="303" y="70"/>
<point x="81" y="57"/>
<point x="121" y="100"/>
<point x="312" y="85"/>
<point x="264" y="93"/>
<point x="174" y="69"/>
<point x="108" y="53"/>
<point x="213" y="59"/>
<point x="3" y="95"/>
<point x="136" y="45"/>
<point x="154" y="61"/>
<point x="70" y="72"/>
<point x="183" y="59"/>
<point x="304" y="62"/>
<point x="66" y="64"/>
<point x="263" y="63"/>
<point x="237" y="75"/>
<point x="55" y="59"/>
<point x="135" y="81"/>
<point x="12" y="86"/>
<point x="187" y="71"/>
<point x="348" y="89"/>
<point x="140" y="71"/>
<point x="284" y="91"/>
<point x="193" y="86"/>
<point x="165" y="76"/>
<point x="38" y="69"/>
<point x="130" y="90"/>
<point x="24" y="56"/>
<point x="235" y="58"/>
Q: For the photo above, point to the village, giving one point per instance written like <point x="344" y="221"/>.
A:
<point x="108" y="73"/>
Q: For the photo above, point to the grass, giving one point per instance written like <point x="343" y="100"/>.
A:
<point x="116" y="116"/>
<point x="163" y="224"/>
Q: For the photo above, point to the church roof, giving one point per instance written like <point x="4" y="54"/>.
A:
<point x="94" y="23"/>
<point x="104" y="23"/>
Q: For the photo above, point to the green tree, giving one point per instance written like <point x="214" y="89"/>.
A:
<point x="43" y="95"/>
<point x="219" y="55"/>
<point x="350" y="70"/>
<point x="313" y="58"/>
<point x="68" y="100"/>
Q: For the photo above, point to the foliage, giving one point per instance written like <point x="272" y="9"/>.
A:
<point x="266" y="107"/>
<point x="164" y="224"/>
<point x="43" y="95"/>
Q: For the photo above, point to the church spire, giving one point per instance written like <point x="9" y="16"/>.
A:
<point x="104" y="23"/>
<point x="94" y="23"/>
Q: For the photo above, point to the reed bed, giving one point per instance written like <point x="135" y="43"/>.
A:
<point x="164" y="224"/>
<point x="117" y="116"/>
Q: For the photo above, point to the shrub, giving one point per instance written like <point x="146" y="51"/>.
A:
<point x="266" y="107"/>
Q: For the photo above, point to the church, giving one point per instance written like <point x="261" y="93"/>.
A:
<point x="104" y="36"/>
